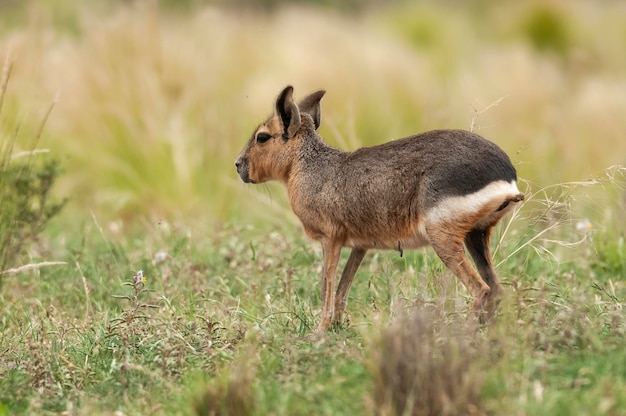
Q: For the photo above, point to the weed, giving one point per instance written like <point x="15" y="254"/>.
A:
<point x="133" y="312"/>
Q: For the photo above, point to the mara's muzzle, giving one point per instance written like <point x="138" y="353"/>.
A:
<point x="243" y="170"/>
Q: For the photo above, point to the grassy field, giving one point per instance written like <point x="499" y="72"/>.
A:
<point x="145" y="107"/>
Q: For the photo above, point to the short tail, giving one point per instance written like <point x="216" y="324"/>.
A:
<point x="514" y="198"/>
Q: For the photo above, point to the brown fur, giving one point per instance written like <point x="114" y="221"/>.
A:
<point x="442" y="188"/>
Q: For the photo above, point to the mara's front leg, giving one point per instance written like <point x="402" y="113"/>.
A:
<point x="341" y="296"/>
<point x="330" y="253"/>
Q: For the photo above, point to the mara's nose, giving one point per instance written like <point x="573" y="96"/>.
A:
<point x="237" y="163"/>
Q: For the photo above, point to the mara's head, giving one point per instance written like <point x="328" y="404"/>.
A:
<point x="275" y="143"/>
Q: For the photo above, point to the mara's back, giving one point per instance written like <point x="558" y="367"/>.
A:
<point x="418" y="171"/>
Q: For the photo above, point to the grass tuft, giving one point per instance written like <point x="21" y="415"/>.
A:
<point x="231" y="394"/>
<point x="423" y="366"/>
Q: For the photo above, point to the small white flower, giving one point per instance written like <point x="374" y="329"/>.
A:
<point x="159" y="257"/>
<point x="584" y="225"/>
<point x="139" y="277"/>
<point x="257" y="329"/>
<point x="115" y="227"/>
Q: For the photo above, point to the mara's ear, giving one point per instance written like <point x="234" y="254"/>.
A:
<point x="311" y="105"/>
<point x="288" y="112"/>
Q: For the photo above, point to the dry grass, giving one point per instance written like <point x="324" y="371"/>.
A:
<point x="153" y="108"/>
<point x="232" y="394"/>
<point x="422" y="365"/>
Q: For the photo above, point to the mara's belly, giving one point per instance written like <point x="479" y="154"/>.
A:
<point x="416" y="239"/>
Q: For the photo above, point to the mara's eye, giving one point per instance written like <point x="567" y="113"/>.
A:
<point x="263" y="137"/>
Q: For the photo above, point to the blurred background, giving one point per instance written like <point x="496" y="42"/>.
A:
<point x="151" y="101"/>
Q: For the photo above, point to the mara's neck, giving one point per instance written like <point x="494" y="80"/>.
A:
<point x="313" y="157"/>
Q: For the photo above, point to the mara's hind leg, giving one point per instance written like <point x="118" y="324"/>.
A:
<point x="447" y="241"/>
<point x="341" y="297"/>
<point x="477" y="243"/>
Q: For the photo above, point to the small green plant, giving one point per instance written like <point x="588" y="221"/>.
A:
<point x="25" y="184"/>
<point x="134" y="311"/>
<point x="26" y="206"/>
<point x="547" y="30"/>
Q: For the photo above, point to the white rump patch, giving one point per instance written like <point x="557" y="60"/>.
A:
<point x="454" y="207"/>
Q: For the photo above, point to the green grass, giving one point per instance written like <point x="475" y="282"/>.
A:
<point x="225" y="322"/>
